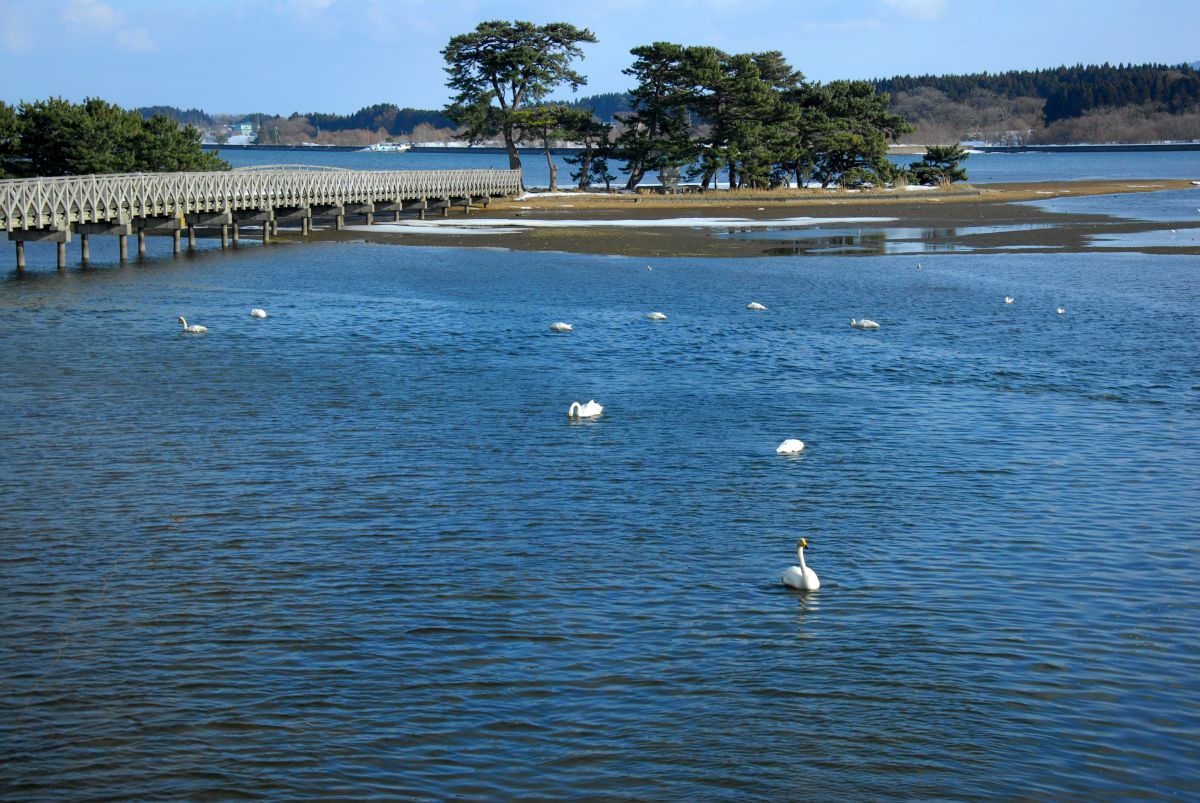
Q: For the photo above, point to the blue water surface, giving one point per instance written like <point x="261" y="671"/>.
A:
<point x="358" y="549"/>
<point x="982" y="168"/>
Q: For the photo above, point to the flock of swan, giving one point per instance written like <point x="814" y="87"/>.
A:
<point x="801" y="577"/>
<point x="197" y="329"/>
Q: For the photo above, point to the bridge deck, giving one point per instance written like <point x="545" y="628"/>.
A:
<point x="56" y="204"/>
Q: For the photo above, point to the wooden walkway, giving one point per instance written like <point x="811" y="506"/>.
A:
<point x="174" y="204"/>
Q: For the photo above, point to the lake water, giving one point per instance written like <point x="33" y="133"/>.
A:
<point x="358" y="549"/>
<point x="982" y="168"/>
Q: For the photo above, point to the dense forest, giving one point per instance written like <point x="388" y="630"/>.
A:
<point x="1105" y="103"/>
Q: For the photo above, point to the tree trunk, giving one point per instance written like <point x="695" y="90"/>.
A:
<point x="514" y="156"/>
<point x="636" y="173"/>
<point x="585" y="170"/>
<point x="550" y="164"/>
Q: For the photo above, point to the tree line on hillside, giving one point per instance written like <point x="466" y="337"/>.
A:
<point x="1070" y="91"/>
<point x="58" y="138"/>
<point x="695" y="110"/>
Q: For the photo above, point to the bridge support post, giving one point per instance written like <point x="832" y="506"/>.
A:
<point x="123" y="246"/>
<point x="266" y="232"/>
<point x="224" y="235"/>
<point x="58" y="236"/>
<point x="191" y="237"/>
<point x="235" y="234"/>
<point x="175" y="243"/>
<point x="85" y="250"/>
<point x="141" y="242"/>
<point x="305" y="226"/>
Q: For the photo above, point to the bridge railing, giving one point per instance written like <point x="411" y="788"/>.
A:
<point x="58" y="202"/>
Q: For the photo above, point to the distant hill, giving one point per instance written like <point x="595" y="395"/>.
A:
<point x="1093" y="103"/>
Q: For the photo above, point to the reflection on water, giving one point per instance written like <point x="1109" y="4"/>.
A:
<point x="874" y="241"/>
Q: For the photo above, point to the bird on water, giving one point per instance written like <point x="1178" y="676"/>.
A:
<point x="754" y="305"/>
<point x="589" y="410"/>
<point x="801" y="577"/>
<point x="258" y="313"/>
<point x="790" y="446"/>
<point x="657" y="316"/>
<point x="559" y="326"/>
<point x="865" y="323"/>
<point x="194" y="329"/>
<point x="1008" y="299"/>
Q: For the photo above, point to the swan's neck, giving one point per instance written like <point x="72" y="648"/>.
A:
<point x="183" y="321"/>
<point x="574" y="408"/>
<point x="800" y="552"/>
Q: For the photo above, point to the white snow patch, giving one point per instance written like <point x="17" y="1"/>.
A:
<point x="498" y="226"/>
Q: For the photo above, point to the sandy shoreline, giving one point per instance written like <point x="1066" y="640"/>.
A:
<point x="940" y="212"/>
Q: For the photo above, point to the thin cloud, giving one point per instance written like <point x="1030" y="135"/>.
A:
<point x="918" y="9"/>
<point x="95" y="16"/>
<point x="137" y="40"/>
<point x="92" y="12"/>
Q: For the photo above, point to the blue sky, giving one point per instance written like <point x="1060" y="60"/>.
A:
<point x="282" y="56"/>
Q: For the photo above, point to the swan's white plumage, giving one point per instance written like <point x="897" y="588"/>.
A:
<point x="589" y="410"/>
<point x="865" y="323"/>
<point x="1061" y="310"/>
<point x="790" y="446"/>
<point x="258" y="313"/>
<point x="754" y="305"/>
<point x="801" y="577"/>
<point x="1008" y="299"/>
<point x="559" y="326"/>
<point x="194" y="329"/>
<point x="657" y="316"/>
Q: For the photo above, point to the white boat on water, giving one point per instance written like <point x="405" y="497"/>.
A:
<point x="387" y="147"/>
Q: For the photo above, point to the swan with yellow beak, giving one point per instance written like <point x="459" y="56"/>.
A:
<point x="801" y="577"/>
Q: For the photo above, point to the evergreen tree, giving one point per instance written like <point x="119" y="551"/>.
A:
<point x="657" y="132"/>
<point x="942" y="165"/>
<point x="501" y="67"/>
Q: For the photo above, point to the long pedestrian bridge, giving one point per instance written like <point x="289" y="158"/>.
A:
<point x="219" y="203"/>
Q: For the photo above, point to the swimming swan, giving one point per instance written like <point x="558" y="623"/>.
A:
<point x="1008" y="299"/>
<point x="194" y="329"/>
<point x="754" y="305"/>
<point x="790" y="446"/>
<point x="589" y="410"/>
<point x="559" y="326"/>
<point x="657" y="316"/>
<point x="1061" y="310"/>
<point x="801" y="577"/>
<point x="865" y="323"/>
<point x="258" y="313"/>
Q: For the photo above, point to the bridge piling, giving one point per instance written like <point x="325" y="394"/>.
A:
<point x="85" y="251"/>
<point x="20" y="255"/>
<point x="123" y="246"/>
<point x="62" y="255"/>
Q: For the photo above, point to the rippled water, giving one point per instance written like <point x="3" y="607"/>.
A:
<point x="357" y="549"/>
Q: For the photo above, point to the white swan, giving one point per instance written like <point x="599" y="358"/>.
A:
<point x="754" y="305"/>
<point x="1008" y="299"/>
<point x="589" y="410"/>
<point x="1061" y="310"/>
<point x="801" y="577"/>
<point x="194" y="329"/>
<point x="790" y="446"/>
<point x="865" y="323"/>
<point x="657" y="316"/>
<point x="258" y="313"/>
<point x="559" y="326"/>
